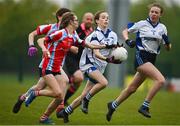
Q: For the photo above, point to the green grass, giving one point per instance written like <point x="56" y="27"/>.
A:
<point x="164" y="107"/>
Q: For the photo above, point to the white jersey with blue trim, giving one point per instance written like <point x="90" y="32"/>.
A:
<point x="98" y="37"/>
<point x="149" y="36"/>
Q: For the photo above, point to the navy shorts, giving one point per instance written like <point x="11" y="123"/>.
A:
<point x="87" y="75"/>
<point x="46" y="72"/>
<point x="142" y="57"/>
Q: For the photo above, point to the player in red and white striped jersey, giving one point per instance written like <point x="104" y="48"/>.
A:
<point x="42" y="30"/>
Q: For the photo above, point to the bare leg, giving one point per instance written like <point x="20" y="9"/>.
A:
<point x="102" y="82"/>
<point x="136" y="82"/>
<point x="152" y="72"/>
<point x="78" y="100"/>
<point x="62" y="80"/>
<point x="77" y="79"/>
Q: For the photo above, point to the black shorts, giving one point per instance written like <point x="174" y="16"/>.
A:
<point x="71" y="65"/>
<point x="46" y="72"/>
<point x="142" y="57"/>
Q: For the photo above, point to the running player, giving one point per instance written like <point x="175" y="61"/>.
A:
<point x="71" y="65"/>
<point x="43" y="30"/>
<point x="93" y="64"/>
<point x="54" y="50"/>
<point x="150" y="34"/>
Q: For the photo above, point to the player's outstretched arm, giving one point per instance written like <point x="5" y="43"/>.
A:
<point x="32" y="49"/>
<point x="31" y="37"/>
<point x="105" y="46"/>
<point x="42" y="46"/>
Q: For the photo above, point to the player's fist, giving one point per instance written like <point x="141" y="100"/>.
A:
<point x="130" y="43"/>
<point x="112" y="60"/>
<point x="110" y="46"/>
<point x="32" y="51"/>
<point x="46" y="53"/>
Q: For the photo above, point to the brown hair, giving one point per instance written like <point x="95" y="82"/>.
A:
<point x="69" y="16"/>
<point x="60" y="12"/>
<point x="97" y="15"/>
<point x="156" y="5"/>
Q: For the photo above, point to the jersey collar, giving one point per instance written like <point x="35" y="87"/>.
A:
<point x="149" y="20"/>
<point x="105" y="32"/>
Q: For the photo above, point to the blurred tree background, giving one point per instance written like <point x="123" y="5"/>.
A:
<point x="19" y="18"/>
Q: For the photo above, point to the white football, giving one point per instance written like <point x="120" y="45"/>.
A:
<point x="120" y="53"/>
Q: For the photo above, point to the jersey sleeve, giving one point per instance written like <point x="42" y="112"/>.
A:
<point x="134" y="27"/>
<point x="165" y="37"/>
<point x="93" y="38"/>
<point x="43" y="29"/>
<point x="114" y="38"/>
<point x="54" y="36"/>
<point x="78" y="41"/>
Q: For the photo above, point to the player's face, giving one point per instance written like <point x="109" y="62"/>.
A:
<point x="155" y="14"/>
<point x="103" y="21"/>
<point x="75" y="22"/>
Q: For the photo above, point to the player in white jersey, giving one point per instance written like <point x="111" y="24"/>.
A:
<point x="150" y="34"/>
<point x="93" y="64"/>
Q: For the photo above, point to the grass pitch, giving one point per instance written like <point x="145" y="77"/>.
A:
<point x="164" y="107"/>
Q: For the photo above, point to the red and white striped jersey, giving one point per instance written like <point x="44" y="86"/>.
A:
<point x="47" y="29"/>
<point x="58" y="44"/>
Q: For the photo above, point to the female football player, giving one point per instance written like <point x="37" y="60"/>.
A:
<point x="150" y="34"/>
<point x="55" y="48"/>
<point x="45" y="29"/>
<point x="93" y="64"/>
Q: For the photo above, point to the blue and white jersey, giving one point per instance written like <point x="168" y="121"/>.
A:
<point x="149" y="36"/>
<point x="98" y="37"/>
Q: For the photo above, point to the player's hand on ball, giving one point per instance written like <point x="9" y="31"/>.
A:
<point x="112" y="60"/>
<point x="111" y="46"/>
<point x="32" y="51"/>
<point x="120" y="45"/>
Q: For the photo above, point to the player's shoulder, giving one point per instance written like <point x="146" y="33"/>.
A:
<point x="113" y="33"/>
<point x="62" y="31"/>
<point x="162" y="25"/>
<point x="46" y="25"/>
<point x="141" y="22"/>
<point x="94" y="34"/>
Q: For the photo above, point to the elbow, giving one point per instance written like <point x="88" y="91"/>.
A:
<point x="76" y="50"/>
<point x="32" y="34"/>
<point x="124" y="34"/>
<point x="40" y="42"/>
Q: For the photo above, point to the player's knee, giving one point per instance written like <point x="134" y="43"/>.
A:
<point x="58" y="94"/>
<point x="78" y="79"/>
<point x="104" y="83"/>
<point x="65" y="80"/>
<point x="161" y="81"/>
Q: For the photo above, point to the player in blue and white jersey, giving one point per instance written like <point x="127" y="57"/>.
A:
<point x="93" y="64"/>
<point x="150" y="34"/>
